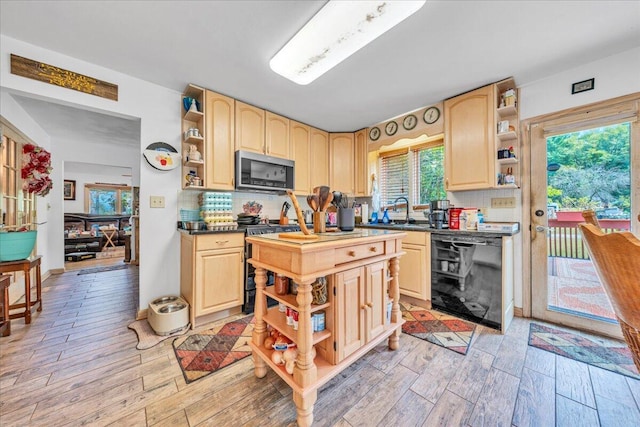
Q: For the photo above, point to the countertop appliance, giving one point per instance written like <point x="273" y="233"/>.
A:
<point x="249" y="270"/>
<point x="466" y="277"/>
<point x="259" y="172"/>
<point x="439" y="214"/>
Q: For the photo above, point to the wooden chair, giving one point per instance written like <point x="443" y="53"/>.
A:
<point x="590" y="217"/>
<point x="616" y="257"/>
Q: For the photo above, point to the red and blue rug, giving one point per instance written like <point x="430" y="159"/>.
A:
<point x="205" y="352"/>
<point x="604" y="353"/>
<point x="438" y="328"/>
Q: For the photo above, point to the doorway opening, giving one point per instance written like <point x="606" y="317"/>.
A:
<point x="583" y="158"/>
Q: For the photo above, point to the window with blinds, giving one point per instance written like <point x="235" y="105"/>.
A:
<point x="417" y="172"/>
<point x="394" y="177"/>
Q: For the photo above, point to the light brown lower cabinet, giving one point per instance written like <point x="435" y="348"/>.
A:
<point x="211" y="275"/>
<point x="415" y="274"/>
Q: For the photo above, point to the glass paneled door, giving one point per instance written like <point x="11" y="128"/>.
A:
<point x="585" y="160"/>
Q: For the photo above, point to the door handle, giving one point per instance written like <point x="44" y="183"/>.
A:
<point x="540" y="228"/>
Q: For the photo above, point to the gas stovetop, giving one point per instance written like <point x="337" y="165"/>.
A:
<point x="253" y="230"/>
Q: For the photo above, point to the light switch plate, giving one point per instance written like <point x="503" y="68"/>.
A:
<point x="503" y="202"/>
<point x="157" y="201"/>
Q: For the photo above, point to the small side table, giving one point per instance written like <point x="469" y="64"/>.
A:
<point x="5" y="322"/>
<point x="26" y="265"/>
<point x="109" y="234"/>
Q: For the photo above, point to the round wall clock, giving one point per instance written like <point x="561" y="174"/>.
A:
<point x="391" y="128"/>
<point x="431" y="115"/>
<point x="374" y="134"/>
<point x="410" y="122"/>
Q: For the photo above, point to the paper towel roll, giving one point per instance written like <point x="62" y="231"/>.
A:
<point x="364" y="211"/>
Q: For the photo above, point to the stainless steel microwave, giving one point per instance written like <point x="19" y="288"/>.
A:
<point x="259" y="172"/>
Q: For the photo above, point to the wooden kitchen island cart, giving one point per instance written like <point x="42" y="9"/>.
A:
<point x="361" y="270"/>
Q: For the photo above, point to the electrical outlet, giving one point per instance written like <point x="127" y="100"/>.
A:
<point x="503" y="202"/>
<point x="157" y="201"/>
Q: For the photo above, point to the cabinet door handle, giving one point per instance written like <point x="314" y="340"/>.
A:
<point x="373" y="249"/>
<point x="352" y="253"/>
<point x="370" y="305"/>
<point x="364" y="306"/>
<point x="222" y="242"/>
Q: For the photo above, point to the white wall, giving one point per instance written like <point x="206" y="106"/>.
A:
<point x="158" y="109"/>
<point x="614" y="75"/>
<point x="99" y="173"/>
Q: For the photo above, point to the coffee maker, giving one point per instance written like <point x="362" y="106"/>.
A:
<point x="439" y="215"/>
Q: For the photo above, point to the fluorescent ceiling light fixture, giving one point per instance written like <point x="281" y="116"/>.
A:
<point x="336" y="32"/>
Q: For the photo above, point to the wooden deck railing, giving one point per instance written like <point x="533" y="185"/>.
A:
<point x="565" y="241"/>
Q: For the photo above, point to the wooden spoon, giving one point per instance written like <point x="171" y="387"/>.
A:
<point x="327" y="202"/>
<point x="324" y="194"/>
<point x="311" y="201"/>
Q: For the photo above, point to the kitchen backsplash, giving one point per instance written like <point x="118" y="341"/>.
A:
<point x="272" y="204"/>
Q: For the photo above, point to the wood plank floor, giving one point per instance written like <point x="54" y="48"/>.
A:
<point x="77" y="364"/>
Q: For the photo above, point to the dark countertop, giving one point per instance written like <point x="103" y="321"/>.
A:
<point x="199" y="232"/>
<point x="444" y="231"/>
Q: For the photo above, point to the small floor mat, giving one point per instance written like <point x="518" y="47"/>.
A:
<point x="101" y="269"/>
<point x="147" y="338"/>
<point x="438" y="328"/>
<point x="604" y="353"/>
<point x="205" y="352"/>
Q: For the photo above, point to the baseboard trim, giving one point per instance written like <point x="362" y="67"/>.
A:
<point x="415" y="301"/>
<point x="55" y="271"/>
<point x="142" y="314"/>
<point x="517" y="312"/>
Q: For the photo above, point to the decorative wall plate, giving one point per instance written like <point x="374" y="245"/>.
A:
<point x="431" y="115"/>
<point x="374" y="134"/>
<point x="162" y="156"/>
<point x="391" y="128"/>
<point x="409" y="122"/>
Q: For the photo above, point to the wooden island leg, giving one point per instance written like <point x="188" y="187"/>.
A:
<point x="305" y="373"/>
<point x="394" y="293"/>
<point x="260" y="327"/>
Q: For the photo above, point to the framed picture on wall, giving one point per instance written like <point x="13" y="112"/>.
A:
<point x="69" y="189"/>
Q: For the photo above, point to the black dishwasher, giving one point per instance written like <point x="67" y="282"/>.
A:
<point x="466" y="277"/>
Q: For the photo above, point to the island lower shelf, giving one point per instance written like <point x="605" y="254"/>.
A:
<point x="325" y="370"/>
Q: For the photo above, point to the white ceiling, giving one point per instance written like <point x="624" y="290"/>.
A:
<point x="447" y="48"/>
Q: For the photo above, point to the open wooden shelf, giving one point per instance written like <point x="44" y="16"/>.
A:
<point x="325" y="370"/>
<point x="508" y="136"/>
<point x="290" y="300"/>
<point x="193" y="116"/>
<point x="509" y="110"/>
<point x="508" y="161"/>
<point x="278" y="320"/>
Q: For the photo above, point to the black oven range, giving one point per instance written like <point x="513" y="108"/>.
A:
<point x="249" y="270"/>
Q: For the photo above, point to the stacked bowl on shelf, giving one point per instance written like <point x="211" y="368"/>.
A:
<point x="216" y="211"/>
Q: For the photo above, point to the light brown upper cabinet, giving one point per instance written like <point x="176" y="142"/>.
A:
<point x="277" y="135"/>
<point x="342" y="152"/>
<point x="250" y="128"/>
<point x="360" y="166"/>
<point x="300" y="147"/>
<point x="319" y="173"/>
<point x="219" y="140"/>
<point x="469" y="140"/>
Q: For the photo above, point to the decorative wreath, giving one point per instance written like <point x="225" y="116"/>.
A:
<point x="36" y="167"/>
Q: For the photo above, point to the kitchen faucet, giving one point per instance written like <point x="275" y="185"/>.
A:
<point x="406" y="221"/>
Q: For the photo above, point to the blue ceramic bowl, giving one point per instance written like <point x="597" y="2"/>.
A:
<point x="16" y="245"/>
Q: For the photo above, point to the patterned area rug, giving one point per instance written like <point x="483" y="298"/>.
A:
<point x="147" y="338"/>
<point x="604" y="353"/>
<point x="203" y="353"/>
<point x="441" y="329"/>
<point x="101" y="269"/>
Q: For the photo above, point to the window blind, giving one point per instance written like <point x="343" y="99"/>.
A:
<point x="394" y="178"/>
